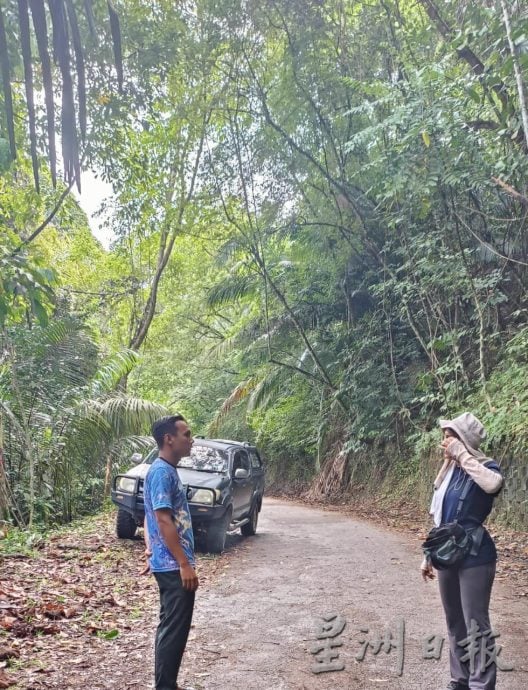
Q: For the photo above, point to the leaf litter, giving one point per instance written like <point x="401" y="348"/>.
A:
<point x="77" y="614"/>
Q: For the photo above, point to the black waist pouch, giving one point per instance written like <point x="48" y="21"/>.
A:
<point x="447" y="545"/>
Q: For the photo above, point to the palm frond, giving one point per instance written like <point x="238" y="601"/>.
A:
<point x="267" y="387"/>
<point x="95" y="425"/>
<point x="116" y="43"/>
<point x="135" y="443"/>
<point x="252" y="339"/>
<point x="239" y="393"/>
<point x="88" y="11"/>
<point x="79" y="66"/>
<point x="58" y="350"/>
<point x="42" y="419"/>
<point x="121" y="448"/>
<point x="12" y="419"/>
<point x="61" y="46"/>
<point x="113" y="370"/>
<point x="6" y="86"/>
<point x="246" y="338"/>
<point x="232" y="289"/>
<point x="229" y="250"/>
<point x="40" y="26"/>
<point x="85" y="433"/>
<point x="123" y="414"/>
<point x="25" y="41"/>
<point x="225" y="346"/>
<point x="56" y="333"/>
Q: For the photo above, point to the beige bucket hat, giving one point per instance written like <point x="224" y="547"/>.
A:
<point x="469" y="429"/>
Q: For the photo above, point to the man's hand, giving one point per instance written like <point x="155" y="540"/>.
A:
<point x="189" y="578"/>
<point x="427" y="571"/>
<point x="146" y="569"/>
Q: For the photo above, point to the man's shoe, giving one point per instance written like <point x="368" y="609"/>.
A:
<point x="454" y="685"/>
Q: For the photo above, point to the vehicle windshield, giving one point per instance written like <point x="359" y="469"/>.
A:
<point x="205" y="459"/>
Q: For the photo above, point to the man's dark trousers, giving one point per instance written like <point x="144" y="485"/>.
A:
<point x="176" y="611"/>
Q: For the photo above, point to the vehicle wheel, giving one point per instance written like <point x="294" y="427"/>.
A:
<point x="125" y="525"/>
<point x="250" y="528"/>
<point x="216" y="534"/>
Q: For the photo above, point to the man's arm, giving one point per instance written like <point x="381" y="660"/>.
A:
<point x="171" y="538"/>
<point x="146" y="535"/>
<point x="148" y="552"/>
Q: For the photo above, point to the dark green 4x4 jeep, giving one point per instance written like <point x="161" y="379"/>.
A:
<point x="225" y="486"/>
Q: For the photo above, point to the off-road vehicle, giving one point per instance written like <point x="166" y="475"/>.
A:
<point x="225" y="486"/>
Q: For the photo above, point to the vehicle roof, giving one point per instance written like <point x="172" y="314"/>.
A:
<point x="221" y="443"/>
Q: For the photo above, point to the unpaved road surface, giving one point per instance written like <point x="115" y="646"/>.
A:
<point x="256" y="626"/>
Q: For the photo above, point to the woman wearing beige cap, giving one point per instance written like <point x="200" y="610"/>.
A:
<point x="465" y="589"/>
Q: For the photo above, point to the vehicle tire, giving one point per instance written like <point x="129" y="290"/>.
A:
<point x="250" y="528"/>
<point x="216" y="533"/>
<point x="125" y="525"/>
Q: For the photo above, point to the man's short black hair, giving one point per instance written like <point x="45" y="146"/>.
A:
<point x="165" y="425"/>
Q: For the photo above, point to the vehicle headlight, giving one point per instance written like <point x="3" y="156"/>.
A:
<point x="205" y="496"/>
<point x="126" y="484"/>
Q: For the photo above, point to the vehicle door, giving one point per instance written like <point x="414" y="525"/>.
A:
<point x="242" y="486"/>
<point x="257" y="472"/>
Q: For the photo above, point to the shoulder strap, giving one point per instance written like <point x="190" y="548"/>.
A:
<point x="463" y="496"/>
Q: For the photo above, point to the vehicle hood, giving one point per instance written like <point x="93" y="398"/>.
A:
<point x="208" y="480"/>
<point x="139" y="470"/>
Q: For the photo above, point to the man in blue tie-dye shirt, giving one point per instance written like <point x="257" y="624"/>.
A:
<point x="170" y="541"/>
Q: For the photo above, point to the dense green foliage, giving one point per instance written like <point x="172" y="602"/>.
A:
<point x="319" y="222"/>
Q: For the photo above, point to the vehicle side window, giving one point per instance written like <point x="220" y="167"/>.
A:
<point x="241" y="461"/>
<point x="256" y="462"/>
<point x="151" y="456"/>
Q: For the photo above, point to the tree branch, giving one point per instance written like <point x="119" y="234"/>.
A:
<point x="517" y="71"/>
<point x="464" y="53"/>
<point x="511" y="191"/>
<point x="48" y="219"/>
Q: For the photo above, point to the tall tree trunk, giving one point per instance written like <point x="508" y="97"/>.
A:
<point x="168" y="236"/>
<point x="516" y="70"/>
<point x="4" y="501"/>
<point x="25" y="439"/>
<point x="108" y="475"/>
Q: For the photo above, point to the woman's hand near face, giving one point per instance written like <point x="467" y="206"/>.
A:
<point x="446" y="442"/>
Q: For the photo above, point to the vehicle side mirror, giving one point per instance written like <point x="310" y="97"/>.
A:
<point x="241" y="473"/>
<point x="136" y="458"/>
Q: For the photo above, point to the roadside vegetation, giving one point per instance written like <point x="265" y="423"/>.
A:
<point x="317" y="240"/>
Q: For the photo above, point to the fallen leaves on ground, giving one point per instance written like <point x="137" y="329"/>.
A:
<point x="78" y="615"/>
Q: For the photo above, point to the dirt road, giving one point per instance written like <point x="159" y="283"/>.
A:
<point x="75" y="615"/>
<point x="256" y="627"/>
